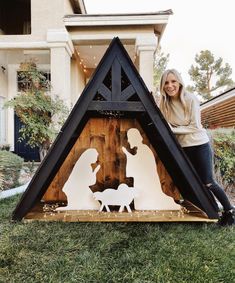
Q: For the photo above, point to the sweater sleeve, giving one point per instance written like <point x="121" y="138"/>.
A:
<point x="194" y="123"/>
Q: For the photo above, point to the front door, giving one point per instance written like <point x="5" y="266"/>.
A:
<point x="21" y="148"/>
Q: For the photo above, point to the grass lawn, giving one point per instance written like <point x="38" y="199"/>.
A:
<point x="114" y="252"/>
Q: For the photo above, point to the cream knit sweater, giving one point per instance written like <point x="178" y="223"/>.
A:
<point x="187" y="127"/>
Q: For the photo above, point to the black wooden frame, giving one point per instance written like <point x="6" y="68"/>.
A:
<point x="113" y="101"/>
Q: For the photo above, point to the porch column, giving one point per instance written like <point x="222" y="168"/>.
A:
<point x="60" y="74"/>
<point x="145" y="48"/>
<point x="61" y="50"/>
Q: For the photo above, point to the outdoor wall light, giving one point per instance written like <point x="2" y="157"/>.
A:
<point x="3" y="69"/>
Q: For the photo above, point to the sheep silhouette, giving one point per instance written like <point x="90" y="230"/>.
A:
<point x="123" y="196"/>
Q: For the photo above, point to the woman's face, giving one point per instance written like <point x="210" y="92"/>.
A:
<point x="172" y="86"/>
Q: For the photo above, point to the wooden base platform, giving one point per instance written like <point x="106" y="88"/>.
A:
<point x="135" y="216"/>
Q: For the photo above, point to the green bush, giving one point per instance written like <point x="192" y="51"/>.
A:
<point x="10" y="167"/>
<point x="224" y="156"/>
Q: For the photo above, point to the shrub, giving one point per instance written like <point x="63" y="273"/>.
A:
<point x="10" y="167"/>
<point x="5" y="147"/>
<point x="224" y="156"/>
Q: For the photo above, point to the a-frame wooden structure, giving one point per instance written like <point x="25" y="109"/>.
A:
<point x="117" y="90"/>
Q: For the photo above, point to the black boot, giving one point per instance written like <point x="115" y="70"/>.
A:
<point x="227" y="218"/>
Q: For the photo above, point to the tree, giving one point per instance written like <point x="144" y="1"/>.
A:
<point x="209" y="74"/>
<point x="160" y="63"/>
<point x="41" y="115"/>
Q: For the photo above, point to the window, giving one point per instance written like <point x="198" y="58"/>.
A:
<point x="24" y="83"/>
<point x="15" y="16"/>
<point x="2" y="121"/>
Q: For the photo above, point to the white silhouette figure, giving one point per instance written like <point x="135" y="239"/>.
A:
<point x="142" y="167"/>
<point x="79" y="195"/>
<point x="123" y="196"/>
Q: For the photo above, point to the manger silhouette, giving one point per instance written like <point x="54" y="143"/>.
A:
<point x="115" y="158"/>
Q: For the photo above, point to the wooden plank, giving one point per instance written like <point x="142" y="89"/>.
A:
<point x="222" y="125"/>
<point x="219" y="122"/>
<point x="125" y="125"/>
<point x="132" y="106"/>
<point x="222" y="117"/>
<point x="167" y="184"/>
<point x="112" y="157"/>
<point x="127" y="93"/>
<point x="225" y="102"/>
<point x="97" y="141"/>
<point x="221" y="104"/>
<point x="135" y="216"/>
<point x="105" y="92"/>
<point x="220" y="112"/>
<point x="116" y="80"/>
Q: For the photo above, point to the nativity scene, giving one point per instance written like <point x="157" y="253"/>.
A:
<point x="115" y="158"/>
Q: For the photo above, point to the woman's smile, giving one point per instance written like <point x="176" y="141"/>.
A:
<point x="172" y="86"/>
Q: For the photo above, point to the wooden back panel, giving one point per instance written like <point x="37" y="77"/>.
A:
<point x="107" y="136"/>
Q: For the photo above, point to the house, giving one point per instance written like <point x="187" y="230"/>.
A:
<point x="68" y="44"/>
<point x="219" y="112"/>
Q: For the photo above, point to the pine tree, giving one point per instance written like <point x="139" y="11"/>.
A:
<point x="209" y="74"/>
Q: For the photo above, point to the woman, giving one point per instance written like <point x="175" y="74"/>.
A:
<point x="182" y="112"/>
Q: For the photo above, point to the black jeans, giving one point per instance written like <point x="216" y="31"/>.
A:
<point x="201" y="157"/>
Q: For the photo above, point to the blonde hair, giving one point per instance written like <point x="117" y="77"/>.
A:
<point x="165" y="99"/>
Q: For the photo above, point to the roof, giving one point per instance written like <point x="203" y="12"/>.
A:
<point x="165" y="12"/>
<point x="130" y="98"/>
<point x="218" y="112"/>
<point x="158" y="20"/>
<point x="219" y="98"/>
<point x="78" y="6"/>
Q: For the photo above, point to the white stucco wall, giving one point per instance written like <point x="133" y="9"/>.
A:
<point x="46" y="15"/>
<point x="3" y="95"/>
<point x="68" y="10"/>
<point x="3" y="74"/>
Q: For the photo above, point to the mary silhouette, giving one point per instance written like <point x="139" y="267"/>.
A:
<point x="77" y="187"/>
<point x="142" y="167"/>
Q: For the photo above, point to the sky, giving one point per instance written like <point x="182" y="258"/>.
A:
<point x="194" y="26"/>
